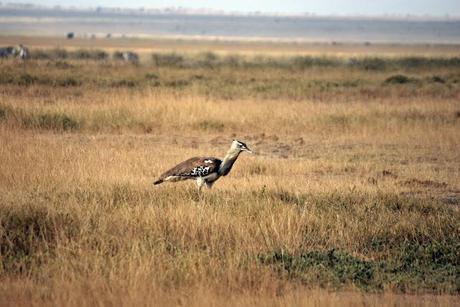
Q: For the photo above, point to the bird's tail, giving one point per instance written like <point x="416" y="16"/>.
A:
<point x="158" y="181"/>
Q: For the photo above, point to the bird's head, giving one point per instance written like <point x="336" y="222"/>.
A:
<point x="238" y="145"/>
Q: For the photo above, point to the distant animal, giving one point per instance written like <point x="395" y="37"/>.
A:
<point x="127" y="56"/>
<point x="23" y="52"/>
<point x="130" y="56"/>
<point x="70" y="35"/>
<point x="7" y="52"/>
<point x="10" y="52"/>
<point x="206" y="170"/>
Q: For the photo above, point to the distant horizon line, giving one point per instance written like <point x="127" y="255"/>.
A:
<point x="220" y="12"/>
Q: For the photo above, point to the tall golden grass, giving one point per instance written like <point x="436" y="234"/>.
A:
<point x="353" y="189"/>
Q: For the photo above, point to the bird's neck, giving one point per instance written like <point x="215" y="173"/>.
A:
<point x="228" y="161"/>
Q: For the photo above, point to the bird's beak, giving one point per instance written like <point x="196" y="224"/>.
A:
<point x="248" y="150"/>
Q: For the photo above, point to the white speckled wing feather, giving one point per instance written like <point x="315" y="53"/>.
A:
<point x="193" y="168"/>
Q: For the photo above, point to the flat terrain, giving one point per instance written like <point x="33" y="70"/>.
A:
<point x="145" y="46"/>
<point x="352" y="196"/>
<point x="145" y="23"/>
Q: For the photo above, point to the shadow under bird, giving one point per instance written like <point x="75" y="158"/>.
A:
<point x="206" y="170"/>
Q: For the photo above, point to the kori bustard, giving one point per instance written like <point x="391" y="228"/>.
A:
<point x="206" y="170"/>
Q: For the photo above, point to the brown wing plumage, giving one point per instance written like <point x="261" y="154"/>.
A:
<point x="191" y="168"/>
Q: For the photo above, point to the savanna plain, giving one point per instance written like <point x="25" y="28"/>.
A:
<point x="351" y="196"/>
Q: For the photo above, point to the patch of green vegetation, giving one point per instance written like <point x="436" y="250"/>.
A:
<point x="83" y="54"/>
<point x="426" y="62"/>
<point x="26" y="79"/>
<point x="436" y="79"/>
<point x="6" y="78"/>
<point x="28" y="235"/>
<point x="369" y="63"/>
<point x="151" y="76"/>
<point x="49" y="54"/>
<point x="332" y="268"/>
<point x="47" y="121"/>
<point x="414" y="266"/>
<point x="304" y="62"/>
<point x="178" y="83"/>
<point x="398" y="79"/>
<point x="3" y="113"/>
<point x="61" y="54"/>
<point x="68" y="82"/>
<point x="115" y="119"/>
<point x="125" y="83"/>
<point x="213" y="60"/>
<point x="403" y="259"/>
<point x="57" y="121"/>
<point x="168" y="59"/>
<point x="242" y="77"/>
<point x="207" y="59"/>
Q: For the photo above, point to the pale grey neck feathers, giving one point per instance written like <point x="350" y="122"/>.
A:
<point x="228" y="161"/>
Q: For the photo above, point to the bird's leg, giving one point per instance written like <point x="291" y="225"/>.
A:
<point x="200" y="182"/>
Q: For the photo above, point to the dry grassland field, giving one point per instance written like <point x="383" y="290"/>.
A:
<point x="351" y="197"/>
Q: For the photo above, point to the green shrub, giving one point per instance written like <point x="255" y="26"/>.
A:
<point x="332" y="267"/>
<point x="426" y="62"/>
<point x="398" y="79"/>
<point x="168" y="59"/>
<point x="310" y="61"/>
<point x="40" y="54"/>
<point x="3" y="113"/>
<point x="49" y="54"/>
<point x="62" y="64"/>
<point x="125" y="83"/>
<point x="26" y="79"/>
<point x="68" y="82"/>
<point x="436" y="79"/>
<point x="177" y="83"/>
<point x="6" y="78"/>
<point x="369" y="63"/>
<point x="151" y="76"/>
<point x="60" y="53"/>
<point x="206" y="59"/>
<point x="83" y="54"/>
<point x="29" y="234"/>
<point x="46" y="121"/>
<point x="57" y="121"/>
<point x="411" y="266"/>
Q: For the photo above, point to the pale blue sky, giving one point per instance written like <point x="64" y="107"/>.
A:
<point x="321" y="7"/>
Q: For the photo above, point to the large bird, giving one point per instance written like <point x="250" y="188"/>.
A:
<point x="206" y="170"/>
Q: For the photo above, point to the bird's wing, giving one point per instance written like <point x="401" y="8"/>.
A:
<point x="193" y="167"/>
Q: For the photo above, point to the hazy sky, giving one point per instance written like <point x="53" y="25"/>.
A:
<point x="343" y="7"/>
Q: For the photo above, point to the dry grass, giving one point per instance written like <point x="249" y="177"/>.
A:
<point x="224" y="46"/>
<point x="352" y="188"/>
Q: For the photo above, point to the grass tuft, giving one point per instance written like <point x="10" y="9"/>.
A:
<point x="398" y="79"/>
<point x="29" y="235"/>
<point x="209" y="125"/>
<point x="352" y="184"/>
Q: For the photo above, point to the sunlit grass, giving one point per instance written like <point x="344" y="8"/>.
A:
<point x="353" y="185"/>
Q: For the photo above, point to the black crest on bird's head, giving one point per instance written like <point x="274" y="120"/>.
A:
<point x="241" y="145"/>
